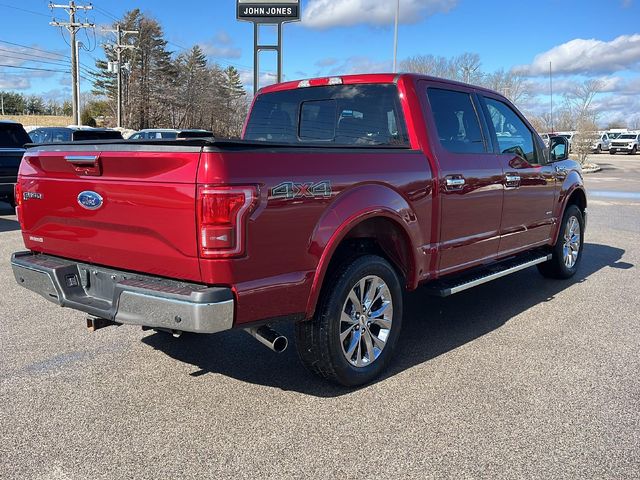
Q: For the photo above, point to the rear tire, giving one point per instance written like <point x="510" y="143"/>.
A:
<point x="567" y="252"/>
<point x="355" y="329"/>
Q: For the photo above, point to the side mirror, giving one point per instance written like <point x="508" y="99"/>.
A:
<point x="558" y="149"/>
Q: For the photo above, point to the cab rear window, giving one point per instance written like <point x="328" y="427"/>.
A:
<point x="347" y="115"/>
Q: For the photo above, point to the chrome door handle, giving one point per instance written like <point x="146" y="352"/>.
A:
<point x="511" y="180"/>
<point x="561" y="171"/>
<point x="455" y="183"/>
<point x="81" y="159"/>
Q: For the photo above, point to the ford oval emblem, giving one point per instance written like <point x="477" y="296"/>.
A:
<point x="90" y="200"/>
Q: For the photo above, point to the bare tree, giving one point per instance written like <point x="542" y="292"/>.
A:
<point x="465" y="67"/>
<point x="579" y="107"/>
<point x="512" y="85"/>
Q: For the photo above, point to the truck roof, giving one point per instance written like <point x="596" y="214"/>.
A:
<point x="362" y="78"/>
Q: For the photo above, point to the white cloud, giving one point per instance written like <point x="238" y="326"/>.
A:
<point x="266" y="78"/>
<point x="562" y="86"/>
<point x="324" y="14"/>
<point x="326" y="62"/>
<point x="587" y="57"/>
<point x="14" y="82"/>
<point x="221" y="46"/>
<point x="361" y="64"/>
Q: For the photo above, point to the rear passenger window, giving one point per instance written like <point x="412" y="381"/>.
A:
<point x="318" y="120"/>
<point x="456" y="121"/>
<point x="513" y="135"/>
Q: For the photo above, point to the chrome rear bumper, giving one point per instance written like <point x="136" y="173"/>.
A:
<point x="125" y="297"/>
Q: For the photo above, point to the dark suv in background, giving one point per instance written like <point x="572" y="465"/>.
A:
<point x="12" y="141"/>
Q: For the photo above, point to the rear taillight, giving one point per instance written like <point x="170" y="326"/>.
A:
<point x="17" y="198"/>
<point x="17" y="194"/>
<point x="222" y="218"/>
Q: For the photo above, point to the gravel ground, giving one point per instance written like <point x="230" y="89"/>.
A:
<point x="520" y="378"/>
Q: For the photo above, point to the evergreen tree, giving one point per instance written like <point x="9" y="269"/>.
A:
<point x="233" y="83"/>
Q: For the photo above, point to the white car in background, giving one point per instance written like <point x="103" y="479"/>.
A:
<point x="626" y="142"/>
<point x="602" y="143"/>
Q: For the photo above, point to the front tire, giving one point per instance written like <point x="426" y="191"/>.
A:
<point x="567" y="252"/>
<point x="612" y="152"/>
<point x="355" y="329"/>
<point x="633" y="150"/>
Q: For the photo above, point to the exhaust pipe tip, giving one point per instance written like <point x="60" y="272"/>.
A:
<point x="280" y="344"/>
<point x="269" y="338"/>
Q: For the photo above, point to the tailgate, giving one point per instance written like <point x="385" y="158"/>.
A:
<point x="133" y="208"/>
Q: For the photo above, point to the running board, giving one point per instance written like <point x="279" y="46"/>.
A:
<point x="445" y="288"/>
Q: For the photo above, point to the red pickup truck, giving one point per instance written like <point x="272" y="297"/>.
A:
<point x="342" y="193"/>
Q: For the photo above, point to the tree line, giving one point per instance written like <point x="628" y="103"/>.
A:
<point x="13" y="103"/>
<point x="164" y="90"/>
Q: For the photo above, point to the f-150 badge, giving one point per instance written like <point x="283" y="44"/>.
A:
<point x="293" y="190"/>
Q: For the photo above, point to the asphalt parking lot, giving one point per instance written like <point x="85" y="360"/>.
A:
<point x="519" y="378"/>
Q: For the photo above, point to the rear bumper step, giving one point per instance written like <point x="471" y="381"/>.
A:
<point x="447" y="287"/>
<point x="123" y="297"/>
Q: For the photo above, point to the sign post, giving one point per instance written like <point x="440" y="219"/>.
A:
<point x="267" y="12"/>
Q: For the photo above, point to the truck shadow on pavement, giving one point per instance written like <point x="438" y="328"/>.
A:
<point x="7" y="224"/>
<point x="432" y="327"/>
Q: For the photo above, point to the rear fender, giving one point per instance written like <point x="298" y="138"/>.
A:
<point x="572" y="183"/>
<point x="350" y="209"/>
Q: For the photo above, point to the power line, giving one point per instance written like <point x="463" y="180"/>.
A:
<point x="4" y="55"/>
<point x="34" y="68"/>
<point x="106" y="13"/>
<point x="33" y="48"/>
<point x="24" y="10"/>
<point x="32" y="57"/>
<point x="48" y="52"/>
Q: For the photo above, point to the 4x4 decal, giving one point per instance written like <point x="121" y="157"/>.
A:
<point x="293" y="190"/>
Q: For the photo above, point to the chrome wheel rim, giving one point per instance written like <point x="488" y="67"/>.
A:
<point x="571" y="247"/>
<point x="365" y="321"/>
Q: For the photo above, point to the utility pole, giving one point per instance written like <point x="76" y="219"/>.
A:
<point x="77" y="72"/>
<point x="73" y="26"/>
<point x="2" y="102"/>
<point x="120" y="47"/>
<point x="395" y="38"/>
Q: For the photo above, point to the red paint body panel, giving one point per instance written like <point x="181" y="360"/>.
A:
<point x="287" y="238"/>
<point x="148" y="220"/>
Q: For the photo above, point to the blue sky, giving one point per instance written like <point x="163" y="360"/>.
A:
<point x="585" y="38"/>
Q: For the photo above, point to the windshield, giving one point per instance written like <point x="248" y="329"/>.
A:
<point x="349" y="115"/>
<point x="12" y="135"/>
<point x="627" y="137"/>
